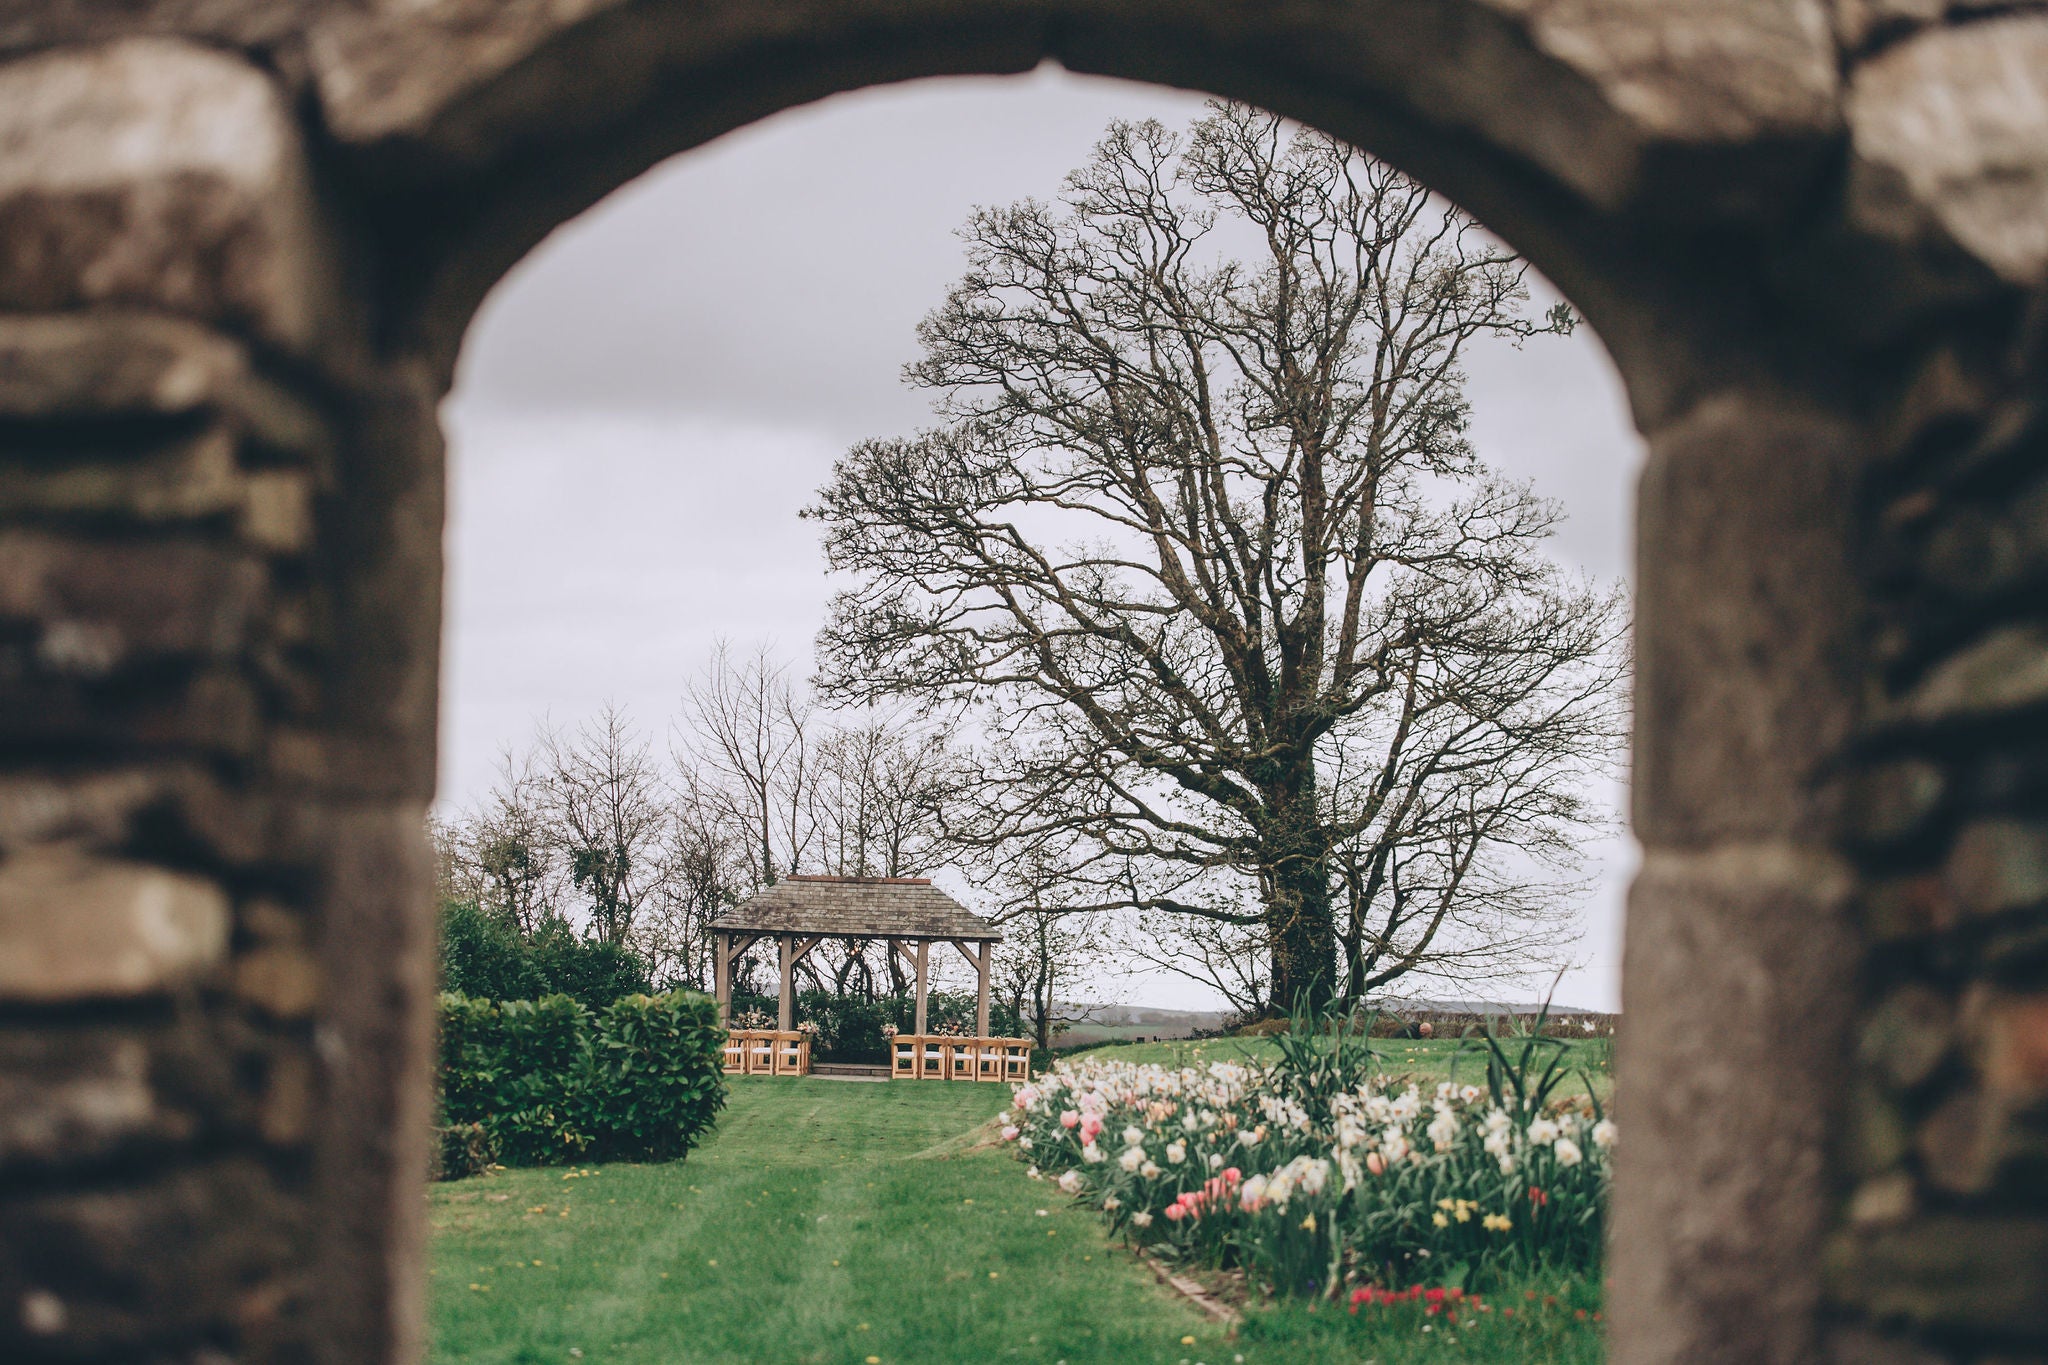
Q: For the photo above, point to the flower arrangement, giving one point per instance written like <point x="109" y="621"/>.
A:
<point x="1311" y="1188"/>
<point x="888" y="1030"/>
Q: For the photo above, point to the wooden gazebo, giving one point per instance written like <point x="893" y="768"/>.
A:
<point x="799" y="913"/>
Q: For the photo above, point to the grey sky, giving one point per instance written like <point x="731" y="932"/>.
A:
<point x="646" y="401"/>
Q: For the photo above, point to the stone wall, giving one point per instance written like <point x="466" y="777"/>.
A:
<point x="240" y="241"/>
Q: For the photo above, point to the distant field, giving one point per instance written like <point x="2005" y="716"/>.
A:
<point x="1088" y="1035"/>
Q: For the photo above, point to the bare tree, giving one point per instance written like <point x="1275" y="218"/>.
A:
<point x="747" y="738"/>
<point x="883" y="792"/>
<point x="704" y="867"/>
<point x="608" y="803"/>
<point x="1199" y="524"/>
<point x="502" y="855"/>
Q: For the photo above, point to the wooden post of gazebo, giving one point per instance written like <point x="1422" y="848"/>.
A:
<point x="981" y="991"/>
<point x="721" y="976"/>
<point x="924" y="956"/>
<point x="785" y="1008"/>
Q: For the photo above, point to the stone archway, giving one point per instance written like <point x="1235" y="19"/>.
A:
<point x="238" y="245"/>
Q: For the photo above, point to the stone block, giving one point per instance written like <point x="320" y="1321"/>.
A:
<point x="1739" y="995"/>
<point x="2005" y="671"/>
<point x="1876" y="1135"/>
<point x="71" y="365"/>
<point x="105" y="1273"/>
<point x="277" y="511"/>
<point x="283" y="981"/>
<point x="1976" y="552"/>
<point x="75" y="1097"/>
<point x="76" y="927"/>
<point x="1976" y="1275"/>
<point x="1999" y="865"/>
<point x="190" y="480"/>
<point x="1901" y="908"/>
<point x="159" y="174"/>
<point x="98" y="604"/>
<point x="1949" y="130"/>
<point x="1960" y="1143"/>
<point x="1892" y="802"/>
<point x="114" y="810"/>
<point x="1888" y="1198"/>
<point x="2012" y="1033"/>
<point x="1907" y="1035"/>
<point x="1747" y="611"/>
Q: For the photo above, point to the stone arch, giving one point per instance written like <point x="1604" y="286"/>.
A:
<point x="238" y="245"/>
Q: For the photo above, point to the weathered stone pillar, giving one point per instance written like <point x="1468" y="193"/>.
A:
<point x="216" y="736"/>
<point x="1740" y="960"/>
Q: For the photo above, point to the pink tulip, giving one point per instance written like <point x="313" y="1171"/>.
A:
<point x="1376" y="1163"/>
<point x="1069" y="1119"/>
<point x="1090" y="1126"/>
<point x="1173" y="1213"/>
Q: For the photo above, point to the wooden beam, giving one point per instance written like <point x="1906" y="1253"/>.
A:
<point x="785" y="1008"/>
<point x="721" y="976"/>
<point x="805" y="951"/>
<point x="981" y="991"/>
<point x="738" y="945"/>
<point x="924" y="957"/>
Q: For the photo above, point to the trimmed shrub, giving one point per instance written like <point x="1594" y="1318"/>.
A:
<point x="544" y="1068"/>
<point x="657" y="1076"/>
<point x="547" y="1082"/>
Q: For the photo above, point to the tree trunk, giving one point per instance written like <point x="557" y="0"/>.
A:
<point x="1300" y="923"/>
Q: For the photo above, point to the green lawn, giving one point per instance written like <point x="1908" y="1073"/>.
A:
<point x="839" y="1222"/>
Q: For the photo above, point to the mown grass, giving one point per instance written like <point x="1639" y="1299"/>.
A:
<point x="830" y="1222"/>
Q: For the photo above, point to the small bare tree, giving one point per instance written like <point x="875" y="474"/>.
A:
<point x="747" y="736"/>
<point x="502" y="855"/>
<point x="609" y="806"/>
<point x="1203" y="522"/>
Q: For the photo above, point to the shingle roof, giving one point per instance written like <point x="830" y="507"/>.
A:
<point x="867" y="907"/>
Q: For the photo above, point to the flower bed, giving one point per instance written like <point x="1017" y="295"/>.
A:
<point x="1308" y="1185"/>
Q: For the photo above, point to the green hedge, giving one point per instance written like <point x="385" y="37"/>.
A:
<point x="546" y="1081"/>
<point x="485" y="958"/>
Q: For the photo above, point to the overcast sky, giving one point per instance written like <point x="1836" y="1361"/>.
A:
<point x="646" y="401"/>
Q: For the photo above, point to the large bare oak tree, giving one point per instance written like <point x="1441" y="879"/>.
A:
<point x="1254" y="630"/>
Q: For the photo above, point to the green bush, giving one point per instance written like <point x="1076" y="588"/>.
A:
<point x="548" y="1082"/>
<point x="657" y="1076"/>
<point x="544" y="1064"/>
<point x="487" y="959"/>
